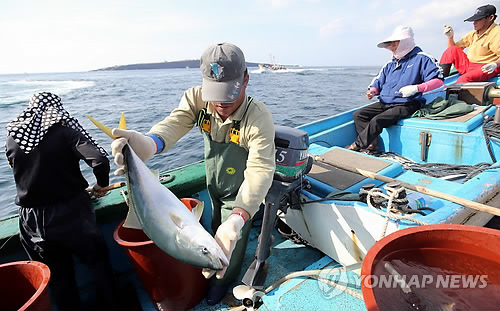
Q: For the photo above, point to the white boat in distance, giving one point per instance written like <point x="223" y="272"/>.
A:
<point x="273" y="66"/>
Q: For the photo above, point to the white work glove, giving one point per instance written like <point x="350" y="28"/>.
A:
<point x="144" y="146"/>
<point x="448" y="31"/>
<point x="489" y="68"/>
<point x="226" y="236"/>
<point x="408" y="90"/>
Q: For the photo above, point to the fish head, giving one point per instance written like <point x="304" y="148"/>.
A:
<point x="205" y="252"/>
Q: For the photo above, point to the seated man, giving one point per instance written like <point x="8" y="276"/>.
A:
<point x="483" y="57"/>
<point x="399" y="86"/>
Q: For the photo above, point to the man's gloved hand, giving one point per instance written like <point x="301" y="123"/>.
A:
<point x="226" y="236"/>
<point x="489" y="68"/>
<point x="408" y="90"/>
<point x="448" y="31"/>
<point x="144" y="146"/>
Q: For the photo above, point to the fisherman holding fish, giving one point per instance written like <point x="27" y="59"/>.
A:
<point x="238" y="135"/>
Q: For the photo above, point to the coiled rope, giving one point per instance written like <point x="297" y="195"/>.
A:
<point x="375" y="195"/>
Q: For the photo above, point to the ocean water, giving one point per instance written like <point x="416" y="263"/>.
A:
<point x="295" y="96"/>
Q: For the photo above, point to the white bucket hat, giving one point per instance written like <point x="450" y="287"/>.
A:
<point x="400" y="33"/>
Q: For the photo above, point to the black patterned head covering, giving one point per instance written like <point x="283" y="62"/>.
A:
<point x="44" y="110"/>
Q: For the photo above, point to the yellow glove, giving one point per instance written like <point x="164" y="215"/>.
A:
<point x="144" y="146"/>
<point x="226" y="236"/>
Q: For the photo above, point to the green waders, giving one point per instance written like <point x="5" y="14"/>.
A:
<point x="225" y="164"/>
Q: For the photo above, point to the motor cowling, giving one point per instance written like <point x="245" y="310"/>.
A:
<point x="477" y="93"/>
<point x="292" y="153"/>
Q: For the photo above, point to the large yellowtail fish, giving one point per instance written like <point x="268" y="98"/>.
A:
<point x="164" y="218"/>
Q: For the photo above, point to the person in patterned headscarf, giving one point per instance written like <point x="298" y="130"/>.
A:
<point x="56" y="218"/>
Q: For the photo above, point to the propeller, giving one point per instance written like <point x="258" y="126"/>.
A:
<point x="248" y="295"/>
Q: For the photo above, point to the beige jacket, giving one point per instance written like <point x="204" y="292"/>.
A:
<point x="256" y="136"/>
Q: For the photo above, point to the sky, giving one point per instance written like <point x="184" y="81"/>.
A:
<point x="72" y="36"/>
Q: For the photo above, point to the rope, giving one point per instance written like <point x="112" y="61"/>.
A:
<point x="314" y="274"/>
<point x="439" y="170"/>
<point x="309" y="273"/>
<point x="391" y="212"/>
<point x="6" y="242"/>
<point x="340" y="285"/>
<point x="491" y="130"/>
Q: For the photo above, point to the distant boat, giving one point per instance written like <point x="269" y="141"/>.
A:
<point x="273" y="66"/>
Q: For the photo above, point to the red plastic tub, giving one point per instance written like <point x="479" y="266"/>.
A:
<point x="170" y="283"/>
<point x="444" y="267"/>
<point x="23" y="286"/>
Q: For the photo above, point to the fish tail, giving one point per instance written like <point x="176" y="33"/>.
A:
<point x="122" y="125"/>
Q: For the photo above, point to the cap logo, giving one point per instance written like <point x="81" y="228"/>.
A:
<point x="235" y="91"/>
<point x="217" y="71"/>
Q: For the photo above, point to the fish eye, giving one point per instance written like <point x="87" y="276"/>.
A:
<point x="204" y="250"/>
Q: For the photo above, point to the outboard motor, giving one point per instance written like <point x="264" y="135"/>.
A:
<point x="292" y="164"/>
<point x="292" y="153"/>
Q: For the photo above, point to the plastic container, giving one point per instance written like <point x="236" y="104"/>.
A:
<point x="427" y="254"/>
<point x="170" y="283"/>
<point x="23" y="286"/>
<point x="417" y="200"/>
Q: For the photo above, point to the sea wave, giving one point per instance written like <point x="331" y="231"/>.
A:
<point x="67" y="85"/>
<point x="19" y="91"/>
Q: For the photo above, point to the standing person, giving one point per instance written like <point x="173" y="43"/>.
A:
<point x="238" y="135"/>
<point x="399" y="86"/>
<point x="56" y="217"/>
<point x="483" y="56"/>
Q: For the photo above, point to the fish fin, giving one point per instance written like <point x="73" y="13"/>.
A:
<point x="102" y="127"/>
<point x="176" y="219"/>
<point x="107" y="130"/>
<point x="156" y="173"/>
<point x="132" y="221"/>
<point x="198" y="210"/>
<point x="123" y="123"/>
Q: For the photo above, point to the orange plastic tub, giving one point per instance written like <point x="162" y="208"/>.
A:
<point x="443" y="267"/>
<point x="23" y="286"/>
<point x="170" y="283"/>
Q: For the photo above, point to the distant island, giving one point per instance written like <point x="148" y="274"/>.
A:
<point x="194" y="63"/>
